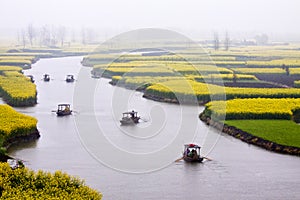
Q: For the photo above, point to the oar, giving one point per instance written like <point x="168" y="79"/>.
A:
<point x="179" y="159"/>
<point x="209" y="159"/>
<point x="144" y="120"/>
<point x="74" y="111"/>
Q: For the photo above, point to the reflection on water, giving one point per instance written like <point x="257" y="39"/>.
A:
<point x="238" y="170"/>
<point x="25" y="145"/>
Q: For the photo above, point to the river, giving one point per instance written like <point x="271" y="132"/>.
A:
<point x="237" y="171"/>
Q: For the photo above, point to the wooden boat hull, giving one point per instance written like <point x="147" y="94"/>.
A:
<point x="63" y="113"/>
<point x="129" y="121"/>
<point x="189" y="159"/>
<point x="69" y="80"/>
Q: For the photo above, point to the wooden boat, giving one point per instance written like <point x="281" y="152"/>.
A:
<point x="192" y="153"/>
<point x="46" y="77"/>
<point x="96" y="76"/>
<point x="63" y="109"/>
<point x="31" y="78"/>
<point x="130" y="118"/>
<point x="70" y="78"/>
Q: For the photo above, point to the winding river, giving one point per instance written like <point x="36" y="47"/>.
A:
<point x="238" y="170"/>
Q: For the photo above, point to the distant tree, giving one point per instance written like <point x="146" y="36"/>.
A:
<point x="287" y="69"/>
<point x="216" y="41"/>
<point x="83" y="36"/>
<point x="91" y="35"/>
<point x="54" y="36"/>
<point x="45" y="36"/>
<point x="31" y="33"/>
<point x="211" y="78"/>
<point x="227" y="41"/>
<point x="261" y="39"/>
<point x="23" y="38"/>
<point x="18" y="38"/>
<point x="61" y="34"/>
<point x="234" y="79"/>
<point x="73" y="37"/>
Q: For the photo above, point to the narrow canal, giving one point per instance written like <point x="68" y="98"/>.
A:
<point x="70" y="144"/>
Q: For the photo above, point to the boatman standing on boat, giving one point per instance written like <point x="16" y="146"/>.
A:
<point x="132" y="114"/>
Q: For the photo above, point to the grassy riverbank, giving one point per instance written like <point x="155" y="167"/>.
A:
<point x="284" y="132"/>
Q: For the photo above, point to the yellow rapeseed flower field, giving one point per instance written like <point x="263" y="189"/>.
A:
<point x="14" y="123"/>
<point x="12" y="84"/>
<point x="204" y="92"/>
<point x="258" y="108"/>
<point x="23" y="183"/>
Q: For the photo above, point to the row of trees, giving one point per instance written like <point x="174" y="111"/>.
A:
<point x="53" y="36"/>
<point x="216" y="41"/>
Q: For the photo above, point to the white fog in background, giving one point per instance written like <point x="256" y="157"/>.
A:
<point x="195" y="18"/>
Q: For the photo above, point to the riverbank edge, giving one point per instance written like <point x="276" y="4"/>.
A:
<point x="249" y="138"/>
<point x="174" y="101"/>
<point x="32" y="136"/>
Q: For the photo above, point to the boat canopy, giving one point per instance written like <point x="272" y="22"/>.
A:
<point x="132" y="114"/>
<point x="63" y="106"/>
<point x="192" y="146"/>
<point x="125" y="113"/>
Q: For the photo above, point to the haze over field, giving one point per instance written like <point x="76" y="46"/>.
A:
<point x="195" y="18"/>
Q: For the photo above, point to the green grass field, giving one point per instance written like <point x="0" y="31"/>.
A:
<point x="284" y="132"/>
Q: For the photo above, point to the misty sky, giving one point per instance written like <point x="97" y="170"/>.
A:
<point x="275" y="17"/>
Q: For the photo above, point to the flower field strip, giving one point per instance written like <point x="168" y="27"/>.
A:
<point x="150" y="80"/>
<point x="224" y="77"/>
<point x="12" y="84"/>
<point x="9" y="68"/>
<point x="260" y="52"/>
<point x="138" y="71"/>
<point x="258" y="108"/>
<point x="274" y="63"/>
<point x="297" y="84"/>
<point x="274" y="71"/>
<point x="204" y="92"/>
<point x="132" y="64"/>
<point x="142" y="81"/>
<point x="18" y="62"/>
<point x="23" y="183"/>
<point x="176" y="58"/>
<point x="294" y="71"/>
<point x="187" y="68"/>
<point x="259" y="70"/>
<point x="14" y="123"/>
<point x="11" y="57"/>
<point x="182" y="68"/>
